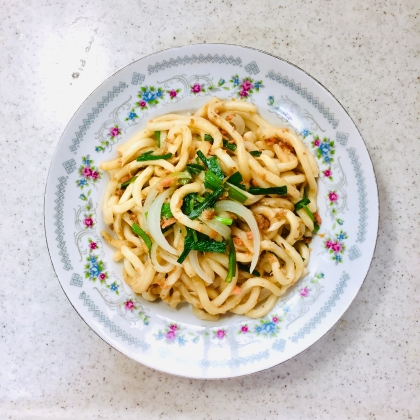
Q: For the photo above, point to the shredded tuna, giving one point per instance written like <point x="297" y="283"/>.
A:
<point x="281" y="213"/>
<point x="208" y="214"/>
<point x="271" y="141"/>
<point x="262" y="222"/>
<point x="237" y="241"/>
<point x="236" y="290"/>
<point x="167" y="222"/>
<point x="249" y="236"/>
<point x="125" y="178"/>
<point x="317" y="218"/>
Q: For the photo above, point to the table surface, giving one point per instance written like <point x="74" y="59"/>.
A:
<point x="54" y="53"/>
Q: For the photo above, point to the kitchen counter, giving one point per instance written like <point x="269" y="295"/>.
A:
<point x="54" y="54"/>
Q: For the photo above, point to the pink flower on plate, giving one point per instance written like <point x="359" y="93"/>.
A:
<point x="333" y="196"/>
<point x="246" y="85"/>
<point x="142" y="104"/>
<point x="129" y="305"/>
<point x="275" y="319"/>
<point x="220" y="334"/>
<point x="317" y="142"/>
<point x="95" y="175"/>
<point x="329" y="244"/>
<point x="304" y="292"/>
<point x="88" y="222"/>
<point x="87" y="172"/>
<point x="114" y="131"/>
<point x="173" y="327"/>
<point x="196" y="88"/>
<point x="102" y="276"/>
<point x="170" y="335"/>
<point x="336" y="247"/>
<point x="244" y="329"/>
<point x="93" y="245"/>
<point x="173" y="93"/>
<point x="243" y="93"/>
<point x="327" y="173"/>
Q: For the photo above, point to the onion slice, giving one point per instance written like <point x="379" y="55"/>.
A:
<point x="246" y="214"/>
<point x="153" y="221"/>
<point x="218" y="227"/>
<point x="193" y="256"/>
<point x="158" y="267"/>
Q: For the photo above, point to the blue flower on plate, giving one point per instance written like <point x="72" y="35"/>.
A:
<point x="87" y="161"/>
<point x="148" y="96"/>
<point x="221" y="82"/>
<point x="159" y="335"/>
<point x="271" y="100"/>
<point x="99" y="149"/>
<point x="236" y="81"/>
<point x="83" y="197"/>
<point x="325" y="148"/>
<point x="114" y="287"/>
<point x="146" y="321"/>
<point x="340" y="222"/>
<point x="195" y="339"/>
<point x="257" y="85"/>
<point x="181" y="341"/>
<point x="305" y="132"/>
<point x="269" y="327"/>
<point x="286" y="309"/>
<point x="159" y="94"/>
<point x="326" y="159"/>
<point x="337" y="258"/>
<point x="94" y="270"/>
<point x="132" y="115"/>
<point x="81" y="182"/>
<point x="258" y="328"/>
<point x="93" y="259"/>
<point x="341" y="236"/>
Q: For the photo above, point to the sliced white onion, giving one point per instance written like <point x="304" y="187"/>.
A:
<point x="153" y="221"/>
<point x="163" y="135"/>
<point x="158" y="267"/>
<point x="246" y="214"/>
<point x="236" y="120"/>
<point x="154" y="192"/>
<point x="219" y="227"/>
<point x="193" y="256"/>
<point x="170" y="258"/>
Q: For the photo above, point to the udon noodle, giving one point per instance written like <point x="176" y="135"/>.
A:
<point x="215" y="209"/>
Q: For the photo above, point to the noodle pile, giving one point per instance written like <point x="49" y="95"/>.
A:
<point x="215" y="209"/>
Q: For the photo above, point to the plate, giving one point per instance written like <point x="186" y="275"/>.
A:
<point x="173" y="340"/>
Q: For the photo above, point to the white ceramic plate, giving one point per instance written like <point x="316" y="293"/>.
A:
<point x="174" y="341"/>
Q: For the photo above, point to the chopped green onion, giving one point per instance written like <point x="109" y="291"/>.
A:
<point x="194" y="168"/>
<point x="213" y="165"/>
<point x="211" y="181"/>
<point x="316" y="228"/>
<point x="208" y="137"/>
<point x="126" y="183"/>
<point x="140" y="232"/>
<point x="188" y="204"/>
<point x="232" y="261"/>
<point x="166" y="211"/>
<point x="184" y="181"/>
<point x="148" y="156"/>
<point x="302" y="203"/>
<point x="157" y="135"/>
<point x="188" y="241"/>
<point x="271" y="190"/>
<point x="255" y="153"/>
<point x="230" y="146"/>
<point x="200" y="199"/>
<point x="208" y="202"/>
<point x="245" y="268"/>
<point x="226" y="221"/>
<point x="236" y="195"/>
<point x="201" y="156"/>
<point x="209" y="245"/>
<point x="235" y="178"/>
<point x="309" y="213"/>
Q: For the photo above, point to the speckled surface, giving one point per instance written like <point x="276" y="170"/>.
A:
<point x="52" y="364"/>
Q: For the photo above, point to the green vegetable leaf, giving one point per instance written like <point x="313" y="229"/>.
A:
<point x="147" y="156"/>
<point x="316" y="228"/>
<point x="230" y="146"/>
<point x="166" y="211"/>
<point x="189" y="202"/>
<point x="201" y="156"/>
<point x="140" y="232"/>
<point x="232" y="261"/>
<point x="255" y="153"/>
<point x="211" y="181"/>
<point x="208" y="137"/>
<point x="209" y="245"/>
<point x="271" y="190"/>
<point x="302" y="203"/>
<point x="188" y="241"/>
<point x="126" y="183"/>
<point x="157" y="135"/>
<point x="236" y="195"/>
<point x="213" y="165"/>
<point x="194" y="168"/>
<point x="235" y="178"/>
<point x="226" y="221"/>
<point x="208" y="202"/>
